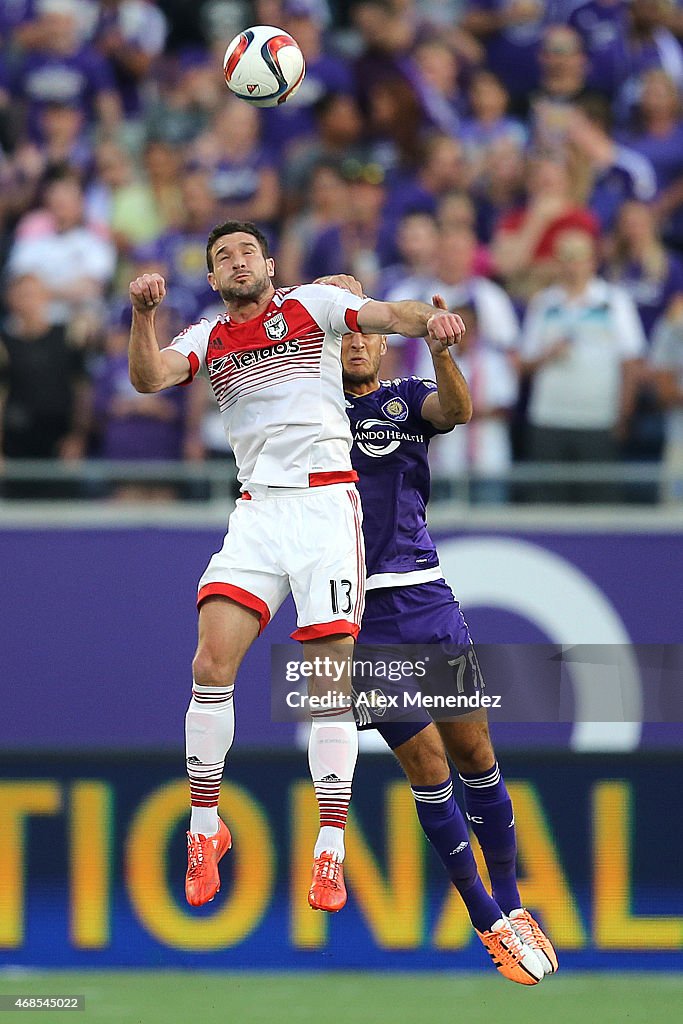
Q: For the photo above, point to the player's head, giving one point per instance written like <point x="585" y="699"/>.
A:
<point x="361" y="356"/>
<point x="238" y="261"/>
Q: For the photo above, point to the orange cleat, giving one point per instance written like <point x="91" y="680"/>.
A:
<point x="327" y="891"/>
<point x="531" y="934"/>
<point x="202" y="880"/>
<point x="513" y="958"/>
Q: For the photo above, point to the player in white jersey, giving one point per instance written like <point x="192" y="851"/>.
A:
<point x="273" y="360"/>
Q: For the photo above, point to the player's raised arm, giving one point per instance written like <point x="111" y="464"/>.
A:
<point x="411" y="319"/>
<point x="150" y="368"/>
<point x="451" y="403"/>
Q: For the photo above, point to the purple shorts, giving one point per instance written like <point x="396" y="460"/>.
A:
<point x="423" y="615"/>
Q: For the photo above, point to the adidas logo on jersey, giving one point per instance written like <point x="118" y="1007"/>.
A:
<point x="330" y="778"/>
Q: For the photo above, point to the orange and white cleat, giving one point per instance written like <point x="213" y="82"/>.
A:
<point x="202" y="880"/>
<point x="327" y="891"/>
<point x="531" y="934"/>
<point x="511" y="957"/>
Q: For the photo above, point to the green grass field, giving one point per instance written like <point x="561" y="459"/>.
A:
<point x="202" y="997"/>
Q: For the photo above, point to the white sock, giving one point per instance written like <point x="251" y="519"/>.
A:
<point x="332" y="756"/>
<point x="209" y="732"/>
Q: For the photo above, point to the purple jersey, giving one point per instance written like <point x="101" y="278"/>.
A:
<point x="389" y="453"/>
<point x="184" y="253"/>
<point x="604" y="30"/>
<point x="73" y="79"/>
<point x="13" y="14"/>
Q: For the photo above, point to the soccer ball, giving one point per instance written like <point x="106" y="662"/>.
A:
<point x="264" y="66"/>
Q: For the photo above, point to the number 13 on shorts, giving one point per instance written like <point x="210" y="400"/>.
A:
<point x="341" y="596"/>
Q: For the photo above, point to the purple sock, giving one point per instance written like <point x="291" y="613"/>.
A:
<point x="489" y="811"/>
<point x="445" y="827"/>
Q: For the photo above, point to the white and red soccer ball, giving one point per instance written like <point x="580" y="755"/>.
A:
<point x="264" y="66"/>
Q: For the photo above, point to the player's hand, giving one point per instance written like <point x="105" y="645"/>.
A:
<point x="443" y="327"/>
<point x="147" y="292"/>
<point x="345" y="281"/>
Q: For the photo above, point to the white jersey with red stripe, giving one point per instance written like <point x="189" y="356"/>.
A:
<point x="277" y="379"/>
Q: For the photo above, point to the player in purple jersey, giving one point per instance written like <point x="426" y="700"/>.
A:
<point x="409" y="602"/>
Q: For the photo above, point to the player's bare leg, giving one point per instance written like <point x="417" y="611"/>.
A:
<point x="490" y="813"/>
<point x="332" y="756"/>
<point x="423" y="759"/>
<point x="226" y="631"/>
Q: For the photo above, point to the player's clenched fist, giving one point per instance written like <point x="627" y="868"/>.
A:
<point x="146" y="292"/>
<point x="443" y="328"/>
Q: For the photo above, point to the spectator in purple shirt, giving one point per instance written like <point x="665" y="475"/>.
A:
<point x="659" y="134"/>
<point x="388" y="34"/>
<point x="19" y="25"/>
<point x="66" y="71"/>
<point x="339" y="135"/>
<point x="395" y="125"/>
<point x="488" y="121"/>
<point x="131" y="35"/>
<point x="417" y="240"/>
<point x="650" y="45"/>
<point x="609" y="173"/>
<point x="32" y="165"/>
<point x="327" y="196"/>
<point x="183" y="248"/>
<point x="241" y="167"/>
<point x="511" y="32"/>
<point x="437" y="84"/>
<point x="641" y="264"/>
<point x="603" y="26"/>
<point x="363" y="242"/>
<point x="130" y="426"/>
<point x="442" y="169"/>
<point x="325" y="72"/>
<point x="563" y="86"/>
<point x="500" y="188"/>
<point x="659" y="138"/>
<point x="188" y="93"/>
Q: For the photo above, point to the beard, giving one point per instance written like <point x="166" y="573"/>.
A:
<point x="245" y="291"/>
<point x="358" y="378"/>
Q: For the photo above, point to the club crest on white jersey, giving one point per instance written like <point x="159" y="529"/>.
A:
<point x="276" y="328"/>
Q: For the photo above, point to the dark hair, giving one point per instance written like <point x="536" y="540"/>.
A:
<point x="231" y="227"/>
<point x="328" y="100"/>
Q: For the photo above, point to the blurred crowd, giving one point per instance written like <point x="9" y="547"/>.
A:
<point x="523" y="159"/>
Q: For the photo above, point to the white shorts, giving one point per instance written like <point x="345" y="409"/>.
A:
<point x="305" y="540"/>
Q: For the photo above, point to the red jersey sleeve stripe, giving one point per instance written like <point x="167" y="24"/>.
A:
<point x="194" y="369"/>
<point x="351" y="318"/>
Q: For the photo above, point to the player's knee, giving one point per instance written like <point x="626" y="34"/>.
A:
<point x="472" y="752"/>
<point x="213" y="668"/>
<point x="423" y="759"/>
